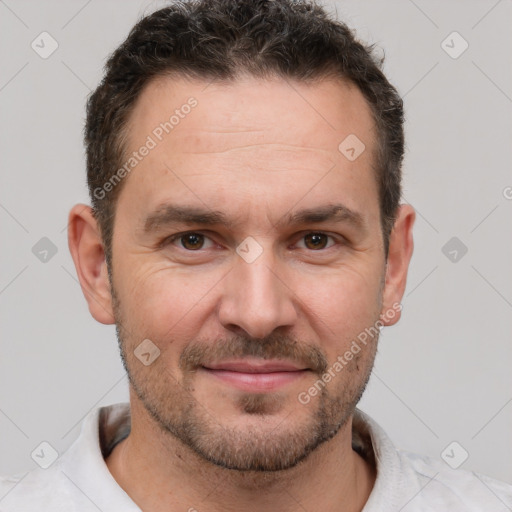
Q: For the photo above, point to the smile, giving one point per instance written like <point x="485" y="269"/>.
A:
<point x="255" y="375"/>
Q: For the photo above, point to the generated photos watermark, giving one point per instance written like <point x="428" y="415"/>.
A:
<point x="369" y="333"/>
<point x="152" y="141"/>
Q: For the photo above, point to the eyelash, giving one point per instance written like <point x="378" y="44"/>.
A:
<point x="169" y="240"/>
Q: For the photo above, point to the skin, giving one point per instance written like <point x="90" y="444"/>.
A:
<point x="256" y="150"/>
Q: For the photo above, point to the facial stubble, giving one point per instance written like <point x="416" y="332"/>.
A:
<point x="250" y="446"/>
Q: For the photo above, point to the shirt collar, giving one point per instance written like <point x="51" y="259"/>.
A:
<point x="104" y="427"/>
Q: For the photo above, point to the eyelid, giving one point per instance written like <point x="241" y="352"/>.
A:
<point x="172" y="238"/>
<point x="338" y="239"/>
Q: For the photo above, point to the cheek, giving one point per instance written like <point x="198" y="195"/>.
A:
<point x="344" y="301"/>
<point x="165" y="304"/>
<point x="342" y="310"/>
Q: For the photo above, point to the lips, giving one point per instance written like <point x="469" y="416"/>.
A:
<point x="256" y="375"/>
<point x="255" y="366"/>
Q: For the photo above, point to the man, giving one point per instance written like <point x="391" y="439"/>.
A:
<point x="247" y="239"/>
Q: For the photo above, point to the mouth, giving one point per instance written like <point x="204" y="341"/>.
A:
<point x="255" y="375"/>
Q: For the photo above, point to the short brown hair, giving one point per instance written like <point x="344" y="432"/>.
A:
<point x="220" y="40"/>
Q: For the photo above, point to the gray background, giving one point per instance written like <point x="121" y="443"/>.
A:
<point x="441" y="375"/>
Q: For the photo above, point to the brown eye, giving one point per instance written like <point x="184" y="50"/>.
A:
<point x="316" y="241"/>
<point x="192" y="241"/>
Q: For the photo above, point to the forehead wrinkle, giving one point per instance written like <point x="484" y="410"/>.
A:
<point x="265" y="159"/>
<point x="270" y="145"/>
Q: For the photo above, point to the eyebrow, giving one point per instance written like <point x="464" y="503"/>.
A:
<point x="168" y="214"/>
<point x="335" y="212"/>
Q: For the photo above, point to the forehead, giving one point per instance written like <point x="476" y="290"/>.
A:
<point x="327" y="110"/>
<point x="248" y="142"/>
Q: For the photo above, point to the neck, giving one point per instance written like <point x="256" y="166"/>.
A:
<point x="159" y="473"/>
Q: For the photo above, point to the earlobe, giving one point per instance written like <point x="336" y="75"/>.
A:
<point x="88" y="254"/>
<point x="399" y="256"/>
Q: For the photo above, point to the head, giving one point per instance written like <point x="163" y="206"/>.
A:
<point x="221" y="41"/>
<point x="243" y="161"/>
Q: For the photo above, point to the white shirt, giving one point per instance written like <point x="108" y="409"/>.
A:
<point x="79" y="480"/>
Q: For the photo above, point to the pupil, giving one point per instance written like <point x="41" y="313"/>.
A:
<point x="192" y="241"/>
<point x="317" y="240"/>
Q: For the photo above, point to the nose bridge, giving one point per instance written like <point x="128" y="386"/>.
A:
<point x="255" y="297"/>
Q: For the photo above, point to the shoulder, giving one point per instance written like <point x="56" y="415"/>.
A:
<point x="78" y="480"/>
<point x="39" y="489"/>
<point x="455" y="489"/>
<point x="411" y="482"/>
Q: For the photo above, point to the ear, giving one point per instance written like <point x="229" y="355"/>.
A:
<point x="86" y="248"/>
<point x="397" y="265"/>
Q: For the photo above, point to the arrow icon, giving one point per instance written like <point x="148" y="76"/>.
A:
<point x="44" y="250"/>
<point x="454" y="45"/>
<point x="249" y="249"/>
<point x="44" y="45"/>
<point x="147" y="352"/>
<point x="44" y="455"/>
<point x="454" y="455"/>
<point x="454" y="249"/>
<point x="351" y="147"/>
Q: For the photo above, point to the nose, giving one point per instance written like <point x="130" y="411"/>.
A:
<point x="257" y="298"/>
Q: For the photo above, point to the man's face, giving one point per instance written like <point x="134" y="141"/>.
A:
<point x="249" y="313"/>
